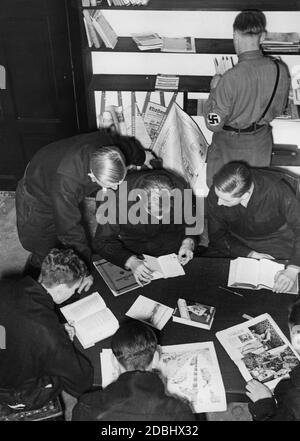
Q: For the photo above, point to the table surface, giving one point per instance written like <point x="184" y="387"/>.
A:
<point x="201" y="283"/>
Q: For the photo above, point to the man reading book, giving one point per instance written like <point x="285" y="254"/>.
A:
<point x="255" y="213"/>
<point x="138" y="394"/>
<point x="37" y="359"/>
<point x="284" y="403"/>
<point x="151" y="222"/>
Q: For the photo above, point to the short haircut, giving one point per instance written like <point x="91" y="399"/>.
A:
<point x="134" y="345"/>
<point x="250" y="22"/>
<point x="234" y="178"/>
<point x="62" y="267"/>
<point x="294" y="314"/>
<point x="108" y="165"/>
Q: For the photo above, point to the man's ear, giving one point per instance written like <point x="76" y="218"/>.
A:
<point x="262" y="37"/>
<point x="155" y="361"/>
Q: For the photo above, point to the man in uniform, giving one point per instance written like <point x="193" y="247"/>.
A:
<point x="245" y="99"/>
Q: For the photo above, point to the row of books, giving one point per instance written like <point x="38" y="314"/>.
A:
<point x="97" y="3"/>
<point x="283" y="42"/>
<point x="98" y="29"/>
<point x="150" y="41"/>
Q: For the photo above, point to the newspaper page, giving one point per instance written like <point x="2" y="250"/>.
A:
<point x="139" y="127"/>
<point x="183" y="149"/>
<point x="260" y="350"/>
<point x="190" y="371"/>
<point x="153" y="117"/>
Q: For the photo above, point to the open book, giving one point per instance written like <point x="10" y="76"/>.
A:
<point x="164" y="266"/>
<point x="92" y="320"/>
<point x="150" y="312"/>
<point x="191" y="372"/>
<point x="189" y="312"/>
<point x="260" y="350"/>
<point x="119" y="280"/>
<point x="255" y="274"/>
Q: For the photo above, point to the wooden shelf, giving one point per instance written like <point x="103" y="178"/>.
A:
<point x="210" y="5"/>
<point x="187" y="83"/>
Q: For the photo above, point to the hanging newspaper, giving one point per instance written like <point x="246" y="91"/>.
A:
<point x="191" y="372"/>
<point x="260" y="350"/>
<point x="183" y="148"/>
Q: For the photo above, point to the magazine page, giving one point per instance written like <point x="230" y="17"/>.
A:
<point x="260" y="350"/>
<point x="150" y="312"/>
<point x="182" y="147"/>
<point x="190" y="371"/>
<point x="83" y="308"/>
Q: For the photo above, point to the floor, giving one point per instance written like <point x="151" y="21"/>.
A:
<point x="12" y="254"/>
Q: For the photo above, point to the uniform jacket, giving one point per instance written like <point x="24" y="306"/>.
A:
<point x="135" y="396"/>
<point x="57" y="177"/>
<point x="271" y="220"/>
<point x="36" y="344"/>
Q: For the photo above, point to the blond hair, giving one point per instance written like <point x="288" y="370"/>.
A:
<point x="108" y="165"/>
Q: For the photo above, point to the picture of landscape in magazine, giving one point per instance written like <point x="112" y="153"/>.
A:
<point x="265" y="354"/>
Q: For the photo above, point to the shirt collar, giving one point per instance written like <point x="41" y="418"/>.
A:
<point x="250" y="55"/>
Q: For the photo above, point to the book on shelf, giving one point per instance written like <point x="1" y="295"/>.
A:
<point x="284" y="42"/>
<point x="255" y="274"/>
<point x="119" y="280"/>
<point x="147" y="41"/>
<point x="150" y="311"/>
<point x="91" y="318"/>
<point x="260" y="350"/>
<point x="192" y="313"/>
<point x="104" y="29"/>
<point x="91" y="33"/>
<point x="164" y="266"/>
<point x="190" y="371"/>
<point x="85" y="3"/>
<point x="178" y="44"/>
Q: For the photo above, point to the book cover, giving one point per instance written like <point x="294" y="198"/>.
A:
<point x="117" y="279"/>
<point x="260" y="350"/>
<point x="192" y="313"/>
<point x="150" y="312"/>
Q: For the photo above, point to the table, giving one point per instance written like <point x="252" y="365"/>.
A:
<point x="201" y="283"/>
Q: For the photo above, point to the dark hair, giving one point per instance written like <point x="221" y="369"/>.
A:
<point x="134" y="345"/>
<point x="251" y="22"/>
<point x="294" y="314"/>
<point x="234" y="177"/>
<point x="62" y="267"/>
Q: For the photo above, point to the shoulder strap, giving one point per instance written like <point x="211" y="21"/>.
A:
<point x="274" y="90"/>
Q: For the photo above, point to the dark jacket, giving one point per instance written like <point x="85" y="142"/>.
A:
<point x="36" y="343"/>
<point x="285" y="405"/>
<point x="57" y="177"/>
<point x="270" y="223"/>
<point x="135" y="396"/>
<point x="116" y="241"/>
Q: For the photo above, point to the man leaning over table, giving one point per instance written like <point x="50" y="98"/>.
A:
<point x="255" y="213"/>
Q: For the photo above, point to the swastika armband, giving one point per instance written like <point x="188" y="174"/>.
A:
<point x="213" y="119"/>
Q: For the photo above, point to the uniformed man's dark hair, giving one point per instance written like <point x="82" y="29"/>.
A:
<point x="134" y="345"/>
<point x="235" y="178"/>
<point x="62" y="267"/>
<point x="251" y="22"/>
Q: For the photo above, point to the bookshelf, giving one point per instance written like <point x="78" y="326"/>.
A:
<point x="98" y="77"/>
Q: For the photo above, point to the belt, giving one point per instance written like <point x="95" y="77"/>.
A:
<point x="254" y="126"/>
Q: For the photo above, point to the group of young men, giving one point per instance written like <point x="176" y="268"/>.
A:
<point x="251" y="212"/>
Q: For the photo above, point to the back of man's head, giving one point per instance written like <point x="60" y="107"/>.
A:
<point x="134" y="346"/>
<point x="62" y="267"/>
<point x="234" y="178"/>
<point x="250" y="22"/>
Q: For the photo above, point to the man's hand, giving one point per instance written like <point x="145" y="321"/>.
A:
<point x="285" y="279"/>
<point x="186" y="251"/>
<point x="257" y="391"/>
<point x="214" y="81"/>
<point x="255" y="255"/>
<point x="69" y="327"/>
<point x="86" y="283"/>
<point x="149" y="157"/>
<point x="141" y="271"/>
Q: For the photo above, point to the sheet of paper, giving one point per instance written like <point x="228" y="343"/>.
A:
<point x="150" y="312"/>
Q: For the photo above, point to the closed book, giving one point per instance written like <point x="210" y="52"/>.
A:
<point x="192" y="313"/>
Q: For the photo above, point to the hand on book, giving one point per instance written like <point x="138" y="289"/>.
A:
<point x="86" y="283"/>
<point x="141" y="271"/>
<point x="70" y="329"/>
<point x="257" y="391"/>
<point x="185" y="253"/>
<point x="285" y="279"/>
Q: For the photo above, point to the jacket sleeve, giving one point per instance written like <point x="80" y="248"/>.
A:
<point x="66" y="362"/>
<point x="132" y="150"/>
<point x="66" y="197"/>
<point x="219" y="234"/>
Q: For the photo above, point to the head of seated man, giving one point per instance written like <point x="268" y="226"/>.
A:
<point x="61" y="274"/>
<point x="233" y="184"/>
